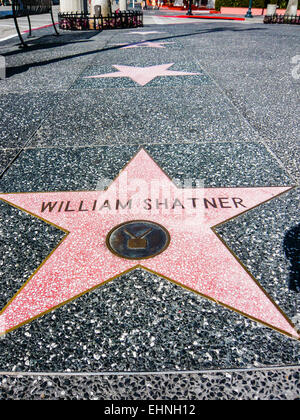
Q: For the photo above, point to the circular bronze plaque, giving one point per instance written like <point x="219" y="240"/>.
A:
<point x="138" y="240"/>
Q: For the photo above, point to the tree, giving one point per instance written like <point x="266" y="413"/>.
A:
<point x="292" y="7"/>
<point x="105" y="6"/>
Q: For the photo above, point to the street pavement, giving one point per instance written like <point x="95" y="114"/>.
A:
<point x="7" y="26"/>
<point x="209" y="111"/>
<point x="152" y="17"/>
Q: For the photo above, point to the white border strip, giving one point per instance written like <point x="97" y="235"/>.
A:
<point x="9" y="37"/>
<point x="26" y="32"/>
<point x="179" y="372"/>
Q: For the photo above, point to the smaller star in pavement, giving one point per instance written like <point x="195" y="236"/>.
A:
<point x="147" y="44"/>
<point x="143" y="75"/>
<point x="144" y="33"/>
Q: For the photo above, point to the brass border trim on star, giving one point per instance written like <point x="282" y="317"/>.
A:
<point x="150" y="271"/>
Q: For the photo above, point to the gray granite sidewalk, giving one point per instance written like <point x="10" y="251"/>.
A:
<point x="233" y="122"/>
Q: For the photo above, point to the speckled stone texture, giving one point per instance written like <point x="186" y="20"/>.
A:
<point x="21" y="115"/>
<point x="268" y="384"/>
<point x="235" y="164"/>
<point x="22" y="232"/>
<point x="236" y="124"/>
<point x="6" y="157"/>
<point x="142" y="322"/>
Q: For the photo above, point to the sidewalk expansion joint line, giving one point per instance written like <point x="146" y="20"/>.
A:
<point x="179" y="372"/>
<point x="263" y="139"/>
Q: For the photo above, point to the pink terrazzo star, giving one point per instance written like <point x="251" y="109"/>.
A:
<point x="144" y="32"/>
<point x="146" y="44"/>
<point x="142" y="75"/>
<point x="196" y="257"/>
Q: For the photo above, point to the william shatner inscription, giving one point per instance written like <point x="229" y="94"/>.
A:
<point x="147" y="204"/>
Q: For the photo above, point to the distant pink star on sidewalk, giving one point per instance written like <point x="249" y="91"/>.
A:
<point x="146" y="44"/>
<point x="143" y="75"/>
<point x="144" y="32"/>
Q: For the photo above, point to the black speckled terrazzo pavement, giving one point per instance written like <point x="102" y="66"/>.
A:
<point x="234" y="124"/>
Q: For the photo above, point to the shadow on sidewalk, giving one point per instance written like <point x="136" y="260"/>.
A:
<point x="73" y="38"/>
<point x="291" y="246"/>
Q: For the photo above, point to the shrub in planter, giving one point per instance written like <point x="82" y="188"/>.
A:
<point x="260" y="4"/>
